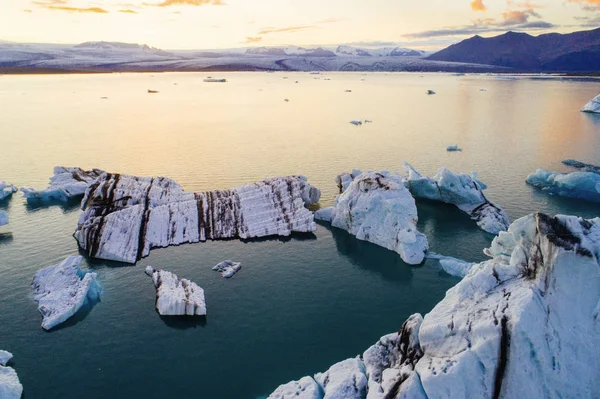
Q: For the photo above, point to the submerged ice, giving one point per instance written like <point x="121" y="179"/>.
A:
<point x="124" y="217"/>
<point x="62" y="289"/>
<point x="376" y="207"/>
<point x="522" y="324"/>
<point x="176" y="296"/>
<point x="583" y="185"/>
<point x="66" y="183"/>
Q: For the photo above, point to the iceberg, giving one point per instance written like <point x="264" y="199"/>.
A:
<point x="6" y="190"/>
<point x="356" y="123"/>
<point x="461" y="190"/>
<point x="3" y="218"/>
<point x="305" y="388"/>
<point x="344" y="380"/>
<point x="582" y="185"/>
<point x="592" y="106"/>
<point x="124" y="217"/>
<point x="62" y="289"/>
<point x="523" y="324"/>
<point x="452" y="266"/>
<point x="376" y="207"/>
<point x="430" y="92"/>
<point x="343" y="180"/>
<point x="228" y="268"/>
<point x="584" y="167"/>
<point x="66" y="183"/>
<point x="452" y="148"/>
<point x="175" y="296"/>
<point x="10" y="386"/>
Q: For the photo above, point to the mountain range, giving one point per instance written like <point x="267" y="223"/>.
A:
<point x="552" y="52"/>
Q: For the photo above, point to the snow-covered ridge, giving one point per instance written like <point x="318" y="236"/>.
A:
<point x="176" y="296"/>
<point x="66" y="183"/>
<point x="376" y="207"/>
<point x="62" y="289"/>
<point x="583" y="185"/>
<point x="525" y="324"/>
<point x="10" y="386"/>
<point x="461" y="190"/>
<point x="124" y="217"/>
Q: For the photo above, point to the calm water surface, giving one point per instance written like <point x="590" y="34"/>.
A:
<point x="298" y="305"/>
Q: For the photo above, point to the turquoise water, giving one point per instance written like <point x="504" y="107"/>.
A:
<point x="298" y="305"/>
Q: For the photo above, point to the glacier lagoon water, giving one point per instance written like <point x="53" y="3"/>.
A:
<point x="298" y="305"/>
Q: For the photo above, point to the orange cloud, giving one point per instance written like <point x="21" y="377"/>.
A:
<point x="589" y="5"/>
<point x="253" y="39"/>
<point x="477" y="5"/>
<point x="266" y="31"/>
<point x="512" y="17"/>
<point x="128" y="11"/>
<point x="59" y="6"/>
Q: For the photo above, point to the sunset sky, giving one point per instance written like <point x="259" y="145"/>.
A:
<point x="207" y="24"/>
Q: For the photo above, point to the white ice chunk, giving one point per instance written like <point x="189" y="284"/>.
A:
<point x="583" y="185"/>
<point x="453" y="266"/>
<point x="461" y="190"/>
<point x="66" y="183"/>
<point x="376" y="207"/>
<point x="592" y="106"/>
<point x="6" y="190"/>
<point x="227" y="268"/>
<point x="10" y="386"/>
<point x="62" y="289"/>
<point x="344" y="380"/>
<point x="175" y="296"/>
<point x="5" y="356"/>
<point x="305" y="388"/>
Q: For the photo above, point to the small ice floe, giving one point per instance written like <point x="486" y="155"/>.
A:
<point x="453" y="148"/>
<point x="10" y="386"/>
<point x="315" y="73"/>
<point x="287" y="100"/>
<point x="3" y="218"/>
<point x="6" y="190"/>
<point x="103" y="98"/>
<point x="368" y="121"/>
<point x="584" y="167"/>
<point x="175" y="296"/>
<point x="592" y="106"/>
<point x="227" y="268"/>
<point x="430" y="92"/>
<point x="356" y="123"/>
<point x="348" y="91"/>
<point x="214" y="80"/>
<point x="453" y="266"/>
<point x="62" y="289"/>
<point x="152" y="91"/>
<point x="582" y="185"/>
<point x="66" y="183"/>
<point x="296" y="82"/>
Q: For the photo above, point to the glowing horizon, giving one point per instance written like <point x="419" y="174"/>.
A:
<point x="214" y="24"/>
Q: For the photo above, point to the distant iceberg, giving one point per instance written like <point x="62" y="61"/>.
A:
<point x="583" y="185"/>
<point x="3" y="218"/>
<point x="584" y="167"/>
<point x="430" y="92"/>
<point x="62" y="289"/>
<point x="175" y="296"/>
<point x="227" y="268"/>
<point x="6" y="190"/>
<point x="523" y="324"/>
<point x="377" y="207"/>
<point x="124" y="217"/>
<point x="66" y="183"/>
<point x="356" y="122"/>
<point x="461" y="190"/>
<point x="10" y="386"/>
<point x="215" y="80"/>
<point x="453" y="148"/>
<point x="592" y="106"/>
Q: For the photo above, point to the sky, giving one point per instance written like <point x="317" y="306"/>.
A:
<point x="214" y="24"/>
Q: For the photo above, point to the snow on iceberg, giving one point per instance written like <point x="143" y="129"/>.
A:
<point x="62" y="289"/>
<point x="3" y="218"/>
<point x="175" y="296"/>
<point x="507" y="330"/>
<point x="6" y="190"/>
<point x="461" y="190"/>
<point x="454" y="267"/>
<point x="227" y="268"/>
<point x="124" y="217"/>
<point x="376" y="207"/>
<point x="592" y="106"/>
<point x="305" y="388"/>
<point x="344" y="380"/>
<point x="66" y="183"/>
<point x="583" y="185"/>
<point x="10" y="386"/>
<point x="343" y="180"/>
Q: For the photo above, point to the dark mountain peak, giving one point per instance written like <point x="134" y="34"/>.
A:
<point x="578" y="51"/>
